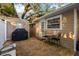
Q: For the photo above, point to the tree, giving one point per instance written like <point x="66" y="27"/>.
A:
<point x="8" y="9"/>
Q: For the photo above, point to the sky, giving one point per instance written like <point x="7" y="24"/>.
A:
<point x="50" y="5"/>
<point x="20" y="8"/>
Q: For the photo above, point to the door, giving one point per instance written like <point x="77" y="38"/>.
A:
<point x="32" y="30"/>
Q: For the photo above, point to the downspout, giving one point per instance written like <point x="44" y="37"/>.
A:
<point x="75" y="29"/>
<point x="6" y="30"/>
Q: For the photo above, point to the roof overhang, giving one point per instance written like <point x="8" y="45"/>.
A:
<point x="59" y="11"/>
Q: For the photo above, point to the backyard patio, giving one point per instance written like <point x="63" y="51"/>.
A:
<point x="39" y="33"/>
<point x="35" y="47"/>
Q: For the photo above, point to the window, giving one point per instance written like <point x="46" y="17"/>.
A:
<point x="54" y="22"/>
<point x="43" y="26"/>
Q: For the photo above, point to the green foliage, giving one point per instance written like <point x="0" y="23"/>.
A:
<point x="41" y="8"/>
<point x="9" y="9"/>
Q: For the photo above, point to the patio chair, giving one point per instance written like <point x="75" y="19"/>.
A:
<point x="47" y="37"/>
<point x="56" y="38"/>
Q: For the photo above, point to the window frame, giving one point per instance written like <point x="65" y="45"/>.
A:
<point x="44" y="24"/>
<point x="58" y="16"/>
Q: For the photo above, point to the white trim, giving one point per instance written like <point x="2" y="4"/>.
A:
<point x="58" y="16"/>
<point x="75" y="28"/>
<point x="43" y="33"/>
<point x="5" y="30"/>
<point x="40" y="33"/>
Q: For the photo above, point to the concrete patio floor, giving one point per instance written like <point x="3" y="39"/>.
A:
<point x="35" y="47"/>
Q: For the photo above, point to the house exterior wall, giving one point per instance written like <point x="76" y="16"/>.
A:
<point x="25" y="24"/>
<point x="10" y="29"/>
<point x="67" y="23"/>
<point x="67" y="27"/>
<point x="38" y="31"/>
